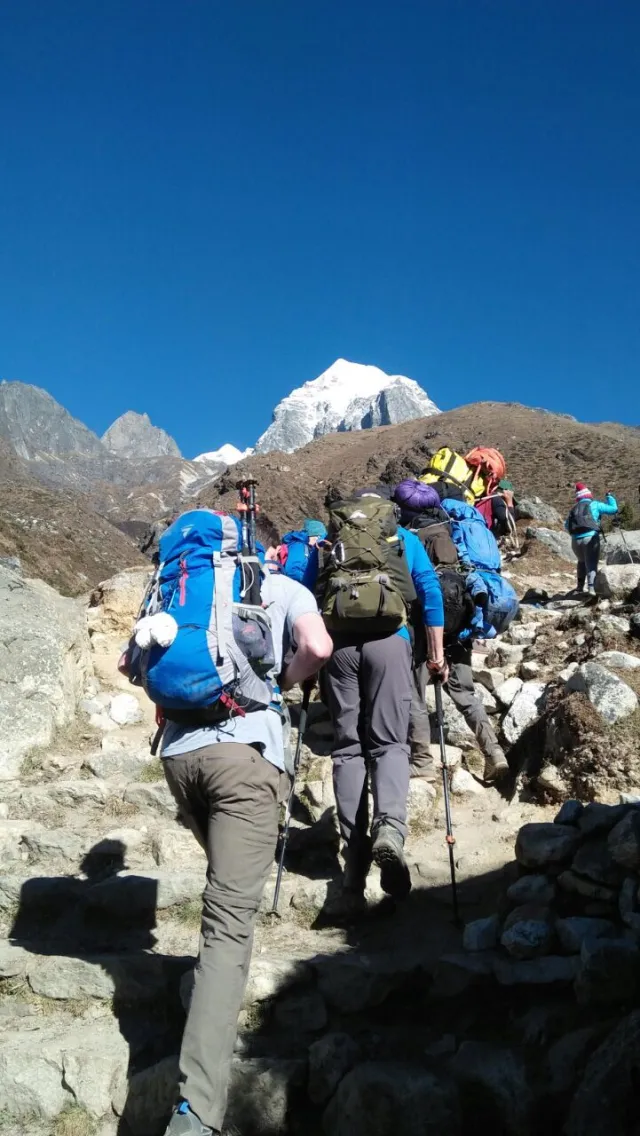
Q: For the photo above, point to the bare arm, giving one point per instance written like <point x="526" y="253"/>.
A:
<point x="435" y="652"/>
<point x="313" y="648"/>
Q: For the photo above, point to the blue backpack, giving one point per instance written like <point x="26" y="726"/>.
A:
<point x="219" y="660"/>
<point x="475" y="543"/>
<point x="299" y="559"/>
<point x="496" y="603"/>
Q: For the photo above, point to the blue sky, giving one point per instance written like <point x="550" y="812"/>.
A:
<point x="203" y="203"/>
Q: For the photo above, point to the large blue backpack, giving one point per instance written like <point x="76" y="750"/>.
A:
<point x="298" y="558"/>
<point x="475" y="543"/>
<point x="222" y="653"/>
<point x="496" y="602"/>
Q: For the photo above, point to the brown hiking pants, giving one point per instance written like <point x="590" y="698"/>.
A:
<point x="228" y="794"/>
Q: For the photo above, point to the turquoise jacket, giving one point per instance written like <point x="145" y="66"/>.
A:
<point x="598" y="509"/>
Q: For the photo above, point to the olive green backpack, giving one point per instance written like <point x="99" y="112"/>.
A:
<point x="367" y="586"/>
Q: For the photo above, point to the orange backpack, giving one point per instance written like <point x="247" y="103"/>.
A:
<point x="489" y="464"/>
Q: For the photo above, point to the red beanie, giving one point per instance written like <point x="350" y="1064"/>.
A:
<point x="580" y="485"/>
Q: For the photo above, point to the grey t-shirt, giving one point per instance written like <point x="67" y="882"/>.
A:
<point x="286" y="601"/>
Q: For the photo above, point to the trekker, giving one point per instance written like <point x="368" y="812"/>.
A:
<point x="583" y="525"/>
<point x="431" y="525"/>
<point x="227" y="774"/>
<point x="299" y="552"/>
<point x="376" y="583"/>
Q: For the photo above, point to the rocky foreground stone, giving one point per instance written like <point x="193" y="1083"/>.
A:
<point x="374" y="1024"/>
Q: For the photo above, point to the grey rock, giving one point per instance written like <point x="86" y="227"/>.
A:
<point x="618" y="581"/>
<point x="547" y="971"/>
<point x="609" y="972"/>
<point x="607" y="693"/>
<point x="580" y="885"/>
<point x="151" y="797"/>
<point x="539" y="844"/>
<point x="557" y="542"/>
<point x="490" y="677"/>
<point x="486" y="698"/>
<point x="630" y="798"/>
<point x="529" y="669"/>
<point x="597" y="818"/>
<point x="500" y="1085"/>
<point x="523" y="635"/>
<point x="124" y="710"/>
<point x="623" y="548"/>
<point x="261" y="1094"/>
<point x="570" y="813"/>
<point x="532" y="888"/>
<point x="534" y="509"/>
<point x="481" y="934"/>
<point x="145" y="1101"/>
<point x="594" y="860"/>
<point x="624" y="841"/>
<point x="528" y="932"/>
<point x="134" y="894"/>
<point x="45" y="1068"/>
<point x="619" y="660"/>
<point x="510" y="656"/>
<point x="634" y="625"/>
<point x="13" y="961"/>
<point x="526" y="708"/>
<point x="330" y="1059"/>
<point x="44" y="665"/>
<point x="606" y="1100"/>
<point x="551" y="782"/>
<point x="351" y="983"/>
<point x="121" y="762"/>
<point x="463" y="782"/>
<point x="613" y="625"/>
<point x="456" y="730"/>
<point x="133" y="436"/>
<point x="53" y="843"/>
<point x="574" y="930"/>
<point x="458" y="972"/>
<point x="301" y="1012"/>
<point x="377" y="1098"/>
<point x="132" y="977"/>
<point x="270" y="975"/>
<point x="567" y="1057"/>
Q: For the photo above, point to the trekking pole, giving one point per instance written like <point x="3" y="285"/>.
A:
<point x="617" y="524"/>
<point x="248" y="509"/>
<point x="302" y="725"/>
<point x="450" y="838"/>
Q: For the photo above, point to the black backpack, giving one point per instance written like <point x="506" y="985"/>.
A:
<point x="458" y="604"/>
<point x="433" y="529"/>
<point x="580" y="519"/>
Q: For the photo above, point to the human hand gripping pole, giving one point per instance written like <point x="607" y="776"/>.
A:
<point x="450" y="838"/>
<point x="302" y="725"/>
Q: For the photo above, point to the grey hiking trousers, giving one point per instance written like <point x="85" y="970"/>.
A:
<point x="421" y="759"/>
<point x="587" y="553"/>
<point x="460" y="690"/>
<point x="369" y="692"/>
<point x="228" y="794"/>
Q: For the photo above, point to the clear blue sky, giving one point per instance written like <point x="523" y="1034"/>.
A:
<point x="204" y="203"/>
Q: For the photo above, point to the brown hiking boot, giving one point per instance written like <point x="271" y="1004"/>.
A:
<point x="496" y="766"/>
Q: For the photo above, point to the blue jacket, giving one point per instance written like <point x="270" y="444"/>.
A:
<point x="424" y="579"/>
<point x="598" y="509"/>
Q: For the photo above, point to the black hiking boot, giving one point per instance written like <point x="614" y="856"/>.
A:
<point x="388" y="854"/>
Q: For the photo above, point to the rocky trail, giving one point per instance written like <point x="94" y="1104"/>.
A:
<point x="391" y="1019"/>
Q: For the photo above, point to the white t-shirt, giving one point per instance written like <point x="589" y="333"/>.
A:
<point x="286" y="601"/>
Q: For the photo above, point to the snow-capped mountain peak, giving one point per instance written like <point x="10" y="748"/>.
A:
<point x="227" y="454"/>
<point x="347" y="396"/>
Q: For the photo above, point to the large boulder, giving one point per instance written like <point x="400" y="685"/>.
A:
<point x="525" y="710"/>
<point x="607" y="1099"/>
<point x="540" y="844"/>
<point x="381" y="1097"/>
<point x="534" y="509"/>
<point x="617" y="581"/>
<point x="623" y="548"/>
<point x="44" y="666"/>
<point x="607" y="693"/>
<point x="557" y="542"/>
<point x="115" y="603"/>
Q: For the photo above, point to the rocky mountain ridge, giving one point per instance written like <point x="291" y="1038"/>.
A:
<point x="133" y="436"/>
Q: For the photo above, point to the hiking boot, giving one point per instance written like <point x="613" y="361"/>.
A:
<point x="495" y="766"/>
<point x="388" y="854"/>
<point x="184" y="1122"/>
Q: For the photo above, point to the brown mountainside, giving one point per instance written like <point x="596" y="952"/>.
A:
<point x="55" y="533"/>
<point x="545" y="454"/>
